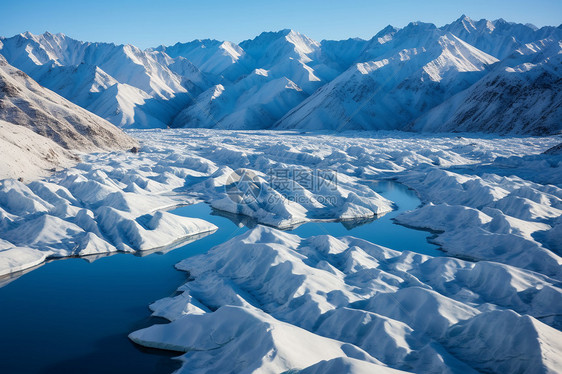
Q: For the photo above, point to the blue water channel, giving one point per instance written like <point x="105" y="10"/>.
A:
<point x="73" y="315"/>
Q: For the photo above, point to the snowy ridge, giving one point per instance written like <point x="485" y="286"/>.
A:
<point x="396" y="88"/>
<point x="421" y="311"/>
<point x="148" y="74"/>
<point x="499" y="38"/>
<point x="210" y="56"/>
<point x="386" y="82"/>
<point x="521" y="95"/>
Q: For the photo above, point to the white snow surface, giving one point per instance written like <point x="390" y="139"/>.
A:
<point x="28" y="155"/>
<point x="269" y="301"/>
<point x="23" y="102"/>
<point x="285" y="79"/>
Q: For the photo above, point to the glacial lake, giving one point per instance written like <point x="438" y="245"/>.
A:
<point x="73" y="315"/>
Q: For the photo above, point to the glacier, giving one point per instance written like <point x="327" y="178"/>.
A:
<point x="342" y="294"/>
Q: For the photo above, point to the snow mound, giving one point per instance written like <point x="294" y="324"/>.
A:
<point x="14" y="259"/>
<point x="219" y="342"/>
<point x="407" y="311"/>
<point x="346" y="365"/>
<point x="86" y="210"/>
<point x="499" y="341"/>
<point x="508" y="214"/>
<point x="284" y="202"/>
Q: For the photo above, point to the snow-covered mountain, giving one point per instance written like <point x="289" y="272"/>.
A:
<point x="256" y="101"/>
<point x="522" y="95"/>
<point x="285" y="79"/>
<point x="121" y="83"/>
<point x="38" y="127"/>
<point x="24" y="102"/>
<point x="413" y="70"/>
<point x="291" y="54"/>
<point x="210" y="56"/>
<point x="499" y="38"/>
<point x="274" y="72"/>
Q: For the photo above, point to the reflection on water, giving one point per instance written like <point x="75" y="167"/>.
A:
<point x="175" y="245"/>
<point x="238" y="219"/>
<point x="350" y="224"/>
<point x="74" y="315"/>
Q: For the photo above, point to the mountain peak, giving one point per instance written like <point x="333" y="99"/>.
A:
<point x="500" y="21"/>
<point x="287" y="31"/>
<point x="301" y="43"/>
<point x="274" y="34"/>
<point x="419" y="26"/>
<point x="48" y="34"/>
<point x="387" y="30"/>
<point x="417" y="29"/>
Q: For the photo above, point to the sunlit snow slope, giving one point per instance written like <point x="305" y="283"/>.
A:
<point x="285" y="79"/>
<point x="41" y="130"/>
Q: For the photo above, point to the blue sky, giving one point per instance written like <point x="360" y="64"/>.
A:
<point x="149" y="23"/>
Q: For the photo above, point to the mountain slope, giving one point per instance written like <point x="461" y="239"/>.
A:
<point x="26" y="103"/>
<point x="523" y="95"/>
<point x="499" y="38"/>
<point x="28" y="155"/>
<point x="418" y="68"/>
<point x="154" y="87"/>
<point x="257" y="101"/>
<point x="210" y="56"/>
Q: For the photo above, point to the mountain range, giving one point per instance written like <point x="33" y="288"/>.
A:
<point x="485" y="76"/>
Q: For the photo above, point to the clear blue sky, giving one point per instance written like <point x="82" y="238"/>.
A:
<point x="147" y="23"/>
